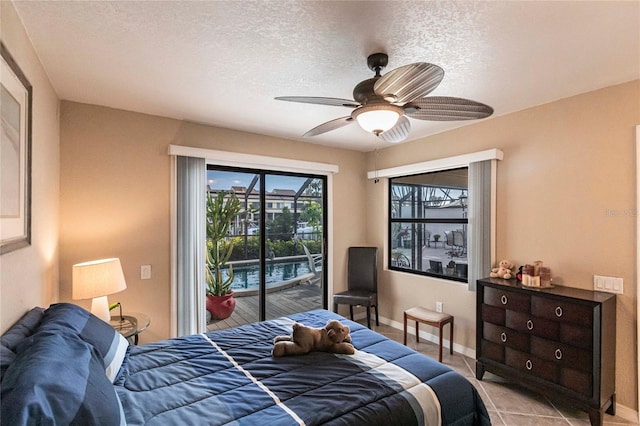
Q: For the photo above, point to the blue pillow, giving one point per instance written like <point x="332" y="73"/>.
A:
<point x="59" y="379"/>
<point x="6" y="358"/>
<point x="110" y="344"/>
<point x="10" y="340"/>
<point x="24" y="327"/>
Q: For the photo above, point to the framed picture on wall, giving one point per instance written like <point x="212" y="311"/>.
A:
<point x="15" y="155"/>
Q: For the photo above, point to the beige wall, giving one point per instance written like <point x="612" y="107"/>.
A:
<point x="566" y="195"/>
<point x="115" y="198"/>
<point x="29" y="276"/>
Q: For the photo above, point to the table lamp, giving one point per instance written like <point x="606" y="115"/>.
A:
<point x="96" y="280"/>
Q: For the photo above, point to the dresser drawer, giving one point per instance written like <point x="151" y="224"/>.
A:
<point x="492" y="314"/>
<point x="561" y="310"/>
<point x="507" y="299"/>
<point x="507" y="337"/>
<point x="576" y="336"/>
<point x="578" y="381"/>
<point x="492" y="351"/>
<point x="564" y="355"/>
<point x="546" y="370"/>
<point x="533" y="325"/>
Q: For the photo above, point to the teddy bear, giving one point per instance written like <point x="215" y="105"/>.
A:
<point x="333" y="337"/>
<point x="503" y="270"/>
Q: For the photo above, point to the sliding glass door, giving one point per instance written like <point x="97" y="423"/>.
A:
<point x="294" y="219"/>
<point x="276" y="242"/>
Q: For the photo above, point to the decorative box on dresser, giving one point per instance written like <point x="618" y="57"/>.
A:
<point x="559" y="341"/>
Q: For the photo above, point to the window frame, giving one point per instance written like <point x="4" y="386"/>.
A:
<point x="417" y="221"/>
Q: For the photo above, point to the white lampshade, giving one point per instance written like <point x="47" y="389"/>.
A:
<point x="97" y="279"/>
<point x="377" y="118"/>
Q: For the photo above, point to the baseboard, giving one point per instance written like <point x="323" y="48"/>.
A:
<point x="627" y="413"/>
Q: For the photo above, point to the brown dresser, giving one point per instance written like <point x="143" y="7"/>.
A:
<point x="559" y="341"/>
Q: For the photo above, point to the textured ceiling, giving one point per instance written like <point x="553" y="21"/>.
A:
<point x="223" y="62"/>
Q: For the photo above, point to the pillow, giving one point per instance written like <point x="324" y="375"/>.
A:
<point x="59" y="379"/>
<point x="10" y="340"/>
<point x="6" y="358"/>
<point x="24" y="327"/>
<point x="110" y="344"/>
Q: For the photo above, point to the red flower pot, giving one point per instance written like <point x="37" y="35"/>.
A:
<point x="221" y="307"/>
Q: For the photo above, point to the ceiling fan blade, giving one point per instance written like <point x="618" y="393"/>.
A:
<point x="329" y="126"/>
<point x="320" y="101"/>
<point x="397" y="133"/>
<point x="444" y="108"/>
<point x="409" y="82"/>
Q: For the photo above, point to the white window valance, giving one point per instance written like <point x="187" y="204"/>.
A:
<point x="436" y="165"/>
<point x="252" y="161"/>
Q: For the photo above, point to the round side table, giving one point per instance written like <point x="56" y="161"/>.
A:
<point x="130" y="326"/>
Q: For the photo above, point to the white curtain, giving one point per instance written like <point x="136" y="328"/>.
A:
<point x="191" y="242"/>
<point x="480" y="220"/>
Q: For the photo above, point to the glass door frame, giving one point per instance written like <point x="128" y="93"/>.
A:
<point x="263" y="225"/>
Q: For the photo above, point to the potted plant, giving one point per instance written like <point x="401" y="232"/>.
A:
<point x="450" y="269"/>
<point x="221" y="211"/>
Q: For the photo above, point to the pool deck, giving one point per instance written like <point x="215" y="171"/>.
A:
<point x="300" y="298"/>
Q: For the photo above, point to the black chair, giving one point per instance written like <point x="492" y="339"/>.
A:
<point x="362" y="282"/>
<point x="435" y="266"/>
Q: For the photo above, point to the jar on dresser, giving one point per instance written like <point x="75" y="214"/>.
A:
<point x="558" y="341"/>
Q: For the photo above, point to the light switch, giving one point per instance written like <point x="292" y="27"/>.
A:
<point x="617" y="285"/>
<point x="608" y="284"/>
<point x="598" y="282"/>
<point x="145" y="272"/>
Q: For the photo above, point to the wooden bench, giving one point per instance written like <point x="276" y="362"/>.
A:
<point x="432" y="318"/>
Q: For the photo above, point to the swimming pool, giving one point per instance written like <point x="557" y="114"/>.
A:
<point x="247" y="276"/>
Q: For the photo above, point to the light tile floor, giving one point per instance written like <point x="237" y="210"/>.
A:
<point x="508" y="404"/>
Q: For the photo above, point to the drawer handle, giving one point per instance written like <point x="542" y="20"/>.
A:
<point x="504" y="299"/>
<point x="558" y="311"/>
<point x="558" y="354"/>
<point x="528" y="364"/>
<point x="503" y="337"/>
<point x="529" y="325"/>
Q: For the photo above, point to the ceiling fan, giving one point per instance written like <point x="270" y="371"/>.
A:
<point x="383" y="103"/>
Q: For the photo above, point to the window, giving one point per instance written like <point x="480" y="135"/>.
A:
<point x="428" y="228"/>
<point x="480" y="239"/>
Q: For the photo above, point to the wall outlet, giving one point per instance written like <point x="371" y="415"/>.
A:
<point x="608" y="284"/>
<point x="438" y="306"/>
<point x="145" y="272"/>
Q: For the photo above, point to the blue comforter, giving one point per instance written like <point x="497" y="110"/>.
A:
<point x="230" y="377"/>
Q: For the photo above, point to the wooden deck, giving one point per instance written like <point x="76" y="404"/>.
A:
<point x="300" y="298"/>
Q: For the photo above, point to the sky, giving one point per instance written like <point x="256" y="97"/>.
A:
<point x="224" y="180"/>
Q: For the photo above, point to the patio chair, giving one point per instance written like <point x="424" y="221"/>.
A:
<point x="315" y="265"/>
<point x="435" y="266"/>
<point x="362" y="282"/>
<point x="462" y="270"/>
<point x="449" y="237"/>
<point x="459" y="241"/>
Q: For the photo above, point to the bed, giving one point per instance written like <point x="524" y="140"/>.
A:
<point x="64" y="366"/>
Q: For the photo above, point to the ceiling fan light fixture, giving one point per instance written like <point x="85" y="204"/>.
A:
<point x="377" y="118"/>
<point x="383" y="104"/>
